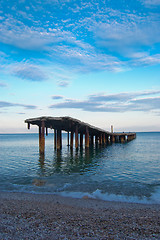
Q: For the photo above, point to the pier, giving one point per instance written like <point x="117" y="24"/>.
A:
<point x="83" y="133"/>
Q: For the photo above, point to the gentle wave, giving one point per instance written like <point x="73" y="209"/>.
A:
<point x="154" y="199"/>
<point x="119" y="172"/>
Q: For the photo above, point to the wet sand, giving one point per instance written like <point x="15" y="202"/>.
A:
<point x="36" y="216"/>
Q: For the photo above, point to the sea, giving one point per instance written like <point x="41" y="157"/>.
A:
<point x="128" y="172"/>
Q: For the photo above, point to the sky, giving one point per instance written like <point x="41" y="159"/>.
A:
<point x="97" y="61"/>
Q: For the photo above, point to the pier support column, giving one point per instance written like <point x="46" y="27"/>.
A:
<point x="76" y="137"/>
<point x="96" y="139"/>
<point x="122" y="139"/>
<point x="68" y="138"/>
<point x="87" y="138"/>
<point x="101" y="139"/>
<point x="129" y="138"/>
<point x="104" y="138"/>
<point x="112" y="139"/>
<point x="107" y="140"/>
<point x="91" y="138"/>
<point x="81" y="140"/>
<point x="55" y="138"/>
<point x="59" y="139"/>
<point x="46" y="131"/>
<point x="42" y="138"/>
<point x="71" y="140"/>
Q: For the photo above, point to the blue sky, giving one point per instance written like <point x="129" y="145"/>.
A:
<point x="98" y="61"/>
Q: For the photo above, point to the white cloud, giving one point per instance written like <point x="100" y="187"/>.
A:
<point x="126" y="35"/>
<point x="151" y="2"/>
<point x="150" y="60"/>
<point x="17" y="34"/>
<point x="63" y="84"/>
<point x="57" y="97"/>
<point x="102" y="39"/>
<point x="2" y="84"/>
<point x="88" y="60"/>
<point x="121" y="102"/>
<point x="4" y="104"/>
<point x="29" y="72"/>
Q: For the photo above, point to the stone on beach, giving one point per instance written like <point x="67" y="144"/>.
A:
<point x="46" y="216"/>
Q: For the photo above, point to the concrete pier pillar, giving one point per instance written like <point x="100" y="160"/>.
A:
<point x="104" y="138"/>
<point x="71" y="140"/>
<point x="107" y="140"/>
<point x="96" y="139"/>
<point x="55" y="138"/>
<point x="112" y="139"/>
<point x="42" y="138"/>
<point x="129" y="138"/>
<point x="91" y="139"/>
<point x="87" y="138"/>
<point x="76" y="137"/>
<point x="122" y="139"/>
<point x="59" y="139"/>
<point x="81" y="140"/>
<point x="46" y="131"/>
<point x="101" y="139"/>
<point x="67" y="138"/>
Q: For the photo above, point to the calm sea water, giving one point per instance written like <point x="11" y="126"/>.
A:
<point x="120" y="172"/>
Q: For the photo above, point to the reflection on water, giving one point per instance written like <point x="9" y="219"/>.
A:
<point x="130" y="169"/>
<point x="69" y="160"/>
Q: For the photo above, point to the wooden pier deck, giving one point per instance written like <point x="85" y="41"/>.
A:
<point x="72" y="126"/>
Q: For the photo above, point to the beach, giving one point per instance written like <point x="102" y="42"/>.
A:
<point x="48" y="216"/>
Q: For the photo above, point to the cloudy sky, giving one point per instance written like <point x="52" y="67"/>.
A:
<point x="98" y="61"/>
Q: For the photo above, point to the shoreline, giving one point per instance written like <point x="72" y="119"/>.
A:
<point x="49" y="216"/>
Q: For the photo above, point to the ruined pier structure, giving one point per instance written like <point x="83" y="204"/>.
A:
<point x="75" y="128"/>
